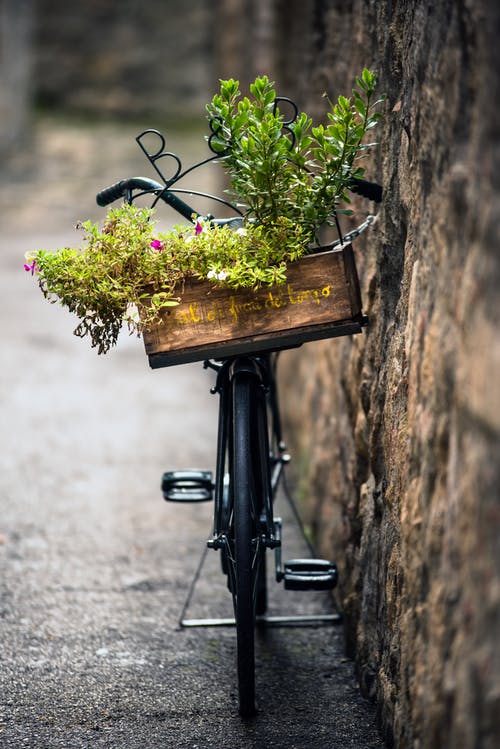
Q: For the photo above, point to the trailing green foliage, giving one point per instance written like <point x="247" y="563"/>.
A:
<point x="125" y="262"/>
<point x="291" y="178"/>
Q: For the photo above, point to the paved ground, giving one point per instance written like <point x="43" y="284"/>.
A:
<point x="94" y="565"/>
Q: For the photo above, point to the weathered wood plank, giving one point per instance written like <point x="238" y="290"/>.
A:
<point x="321" y="292"/>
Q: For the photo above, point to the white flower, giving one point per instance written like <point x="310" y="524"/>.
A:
<point x="218" y="275"/>
<point x="242" y="232"/>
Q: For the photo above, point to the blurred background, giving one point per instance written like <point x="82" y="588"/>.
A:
<point x="78" y="81"/>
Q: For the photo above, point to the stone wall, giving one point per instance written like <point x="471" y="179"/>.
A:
<point x="399" y="428"/>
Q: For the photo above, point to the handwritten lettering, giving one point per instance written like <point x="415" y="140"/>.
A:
<point x="191" y="315"/>
<point x="313" y="295"/>
<point x="235" y="308"/>
<point x="215" y="312"/>
<point x="275" y="300"/>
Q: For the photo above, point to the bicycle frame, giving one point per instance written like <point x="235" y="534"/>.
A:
<point x="263" y="368"/>
<point x="250" y="456"/>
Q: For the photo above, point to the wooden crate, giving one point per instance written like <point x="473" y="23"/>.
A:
<point x="320" y="299"/>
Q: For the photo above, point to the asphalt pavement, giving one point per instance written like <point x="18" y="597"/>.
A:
<point x="95" y="566"/>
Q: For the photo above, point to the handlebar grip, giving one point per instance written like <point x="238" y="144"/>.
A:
<point x="119" y="189"/>
<point x="111" y="193"/>
<point x="369" y="190"/>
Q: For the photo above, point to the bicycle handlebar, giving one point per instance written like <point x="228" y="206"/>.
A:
<point x="369" y="190"/>
<point x="124" y="188"/>
<point x="121" y="188"/>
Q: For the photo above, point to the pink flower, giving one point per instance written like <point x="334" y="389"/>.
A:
<point x="198" y="228"/>
<point x="157" y="245"/>
<point x="33" y="267"/>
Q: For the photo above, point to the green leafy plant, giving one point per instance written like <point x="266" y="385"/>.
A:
<point x="293" y="170"/>
<point x="126" y="266"/>
<point x="290" y="178"/>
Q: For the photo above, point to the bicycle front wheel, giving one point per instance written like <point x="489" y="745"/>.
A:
<point x="248" y="550"/>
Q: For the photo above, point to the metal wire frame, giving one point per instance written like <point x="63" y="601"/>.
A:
<point x="154" y="154"/>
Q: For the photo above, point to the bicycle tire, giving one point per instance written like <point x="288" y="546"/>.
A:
<point x="227" y="553"/>
<point x="261" y="472"/>
<point x="248" y="553"/>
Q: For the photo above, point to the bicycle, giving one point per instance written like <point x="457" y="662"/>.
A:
<point x="250" y="457"/>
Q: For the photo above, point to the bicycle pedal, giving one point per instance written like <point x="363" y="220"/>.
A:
<point x="187" y="486"/>
<point x="310" y="574"/>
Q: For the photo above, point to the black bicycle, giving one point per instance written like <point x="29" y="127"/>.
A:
<point x="250" y="459"/>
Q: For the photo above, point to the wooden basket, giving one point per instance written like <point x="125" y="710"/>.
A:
<point x="321" y="299"/>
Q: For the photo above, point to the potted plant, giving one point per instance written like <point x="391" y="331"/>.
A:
<point x="289" y="178"/>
